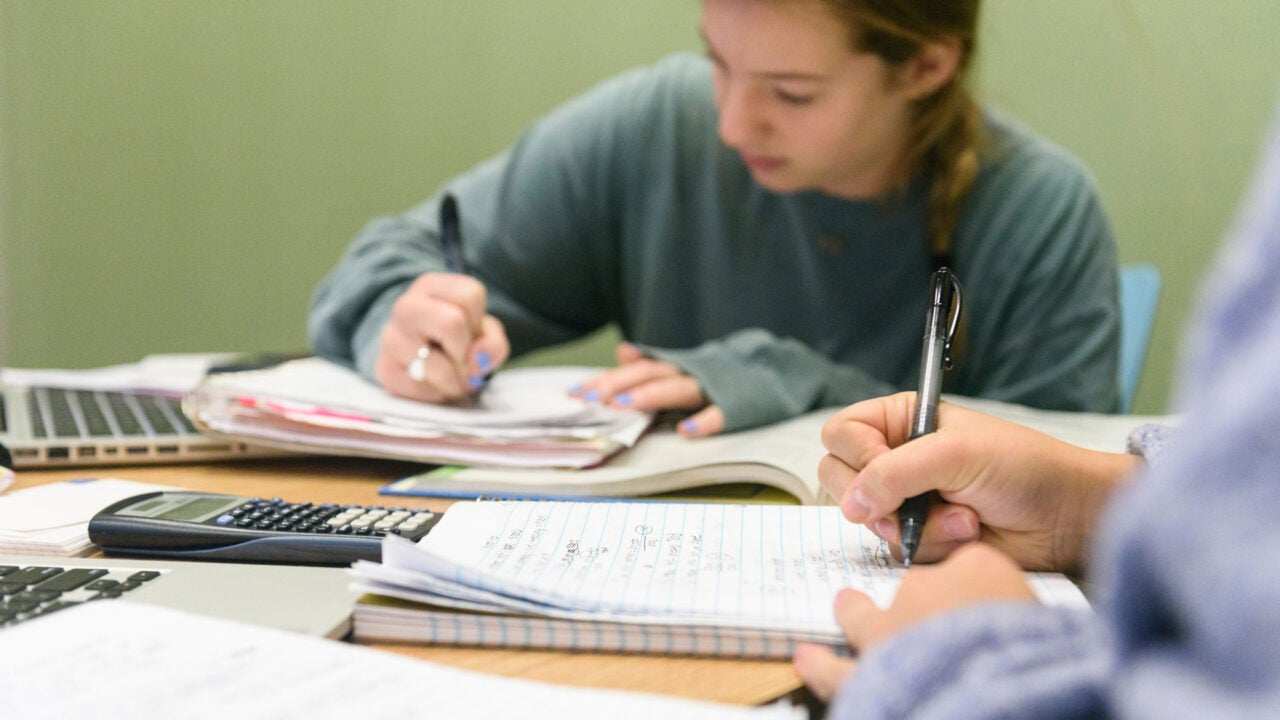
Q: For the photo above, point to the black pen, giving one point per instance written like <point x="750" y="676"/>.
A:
<point x="451" y="236"/>
<point x="941" y="318"/>
<point x="451" y="239"/>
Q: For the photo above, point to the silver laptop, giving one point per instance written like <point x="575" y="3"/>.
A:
<point x="310" y="600"/>
<point x="55" y="426"/>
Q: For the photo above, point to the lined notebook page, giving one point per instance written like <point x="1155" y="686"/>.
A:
<point x="125" y="660"/>
<point x="764" y="566"/>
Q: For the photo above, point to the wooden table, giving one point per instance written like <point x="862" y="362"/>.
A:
<point x="353" y="480"/>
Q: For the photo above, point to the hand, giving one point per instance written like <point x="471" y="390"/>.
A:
<point x="1027" y="494"/>
<point x="642" y="383"/>
<point x="444" y="313"/>
<point x="974" y="574"/>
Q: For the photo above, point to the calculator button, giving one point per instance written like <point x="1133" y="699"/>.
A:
<point x="6" y="569"/>
<point x="324" y="529"/>
<point x="143" y="576"/>
<point x="364" y="530"/>
<point x="344" y="530"/>
<point x="225" y="520"/>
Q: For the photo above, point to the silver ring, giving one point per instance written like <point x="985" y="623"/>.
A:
<point x="418" y="365"/>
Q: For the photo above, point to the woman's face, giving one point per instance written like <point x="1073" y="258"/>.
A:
<point x="804" y="110"/>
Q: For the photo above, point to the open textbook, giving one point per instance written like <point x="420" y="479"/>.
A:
<point x="125" y="661"/>
<point x="783" y="456"/>
<point x="524" y="417"/>
<point x="683" y="578"/>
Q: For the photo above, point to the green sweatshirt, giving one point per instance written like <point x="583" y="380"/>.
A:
<point x="624" y="206"/>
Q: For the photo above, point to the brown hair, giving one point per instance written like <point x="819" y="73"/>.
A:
<point x="948" y="128"/>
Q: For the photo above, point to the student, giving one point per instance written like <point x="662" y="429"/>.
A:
<point x="761" y="225"/>
<point x="1184" y="572"/>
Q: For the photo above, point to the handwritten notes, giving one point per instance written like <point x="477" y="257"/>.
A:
<point x="748" y="580"/>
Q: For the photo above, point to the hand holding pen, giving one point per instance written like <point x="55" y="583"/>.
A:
<point x="440" y="343"/>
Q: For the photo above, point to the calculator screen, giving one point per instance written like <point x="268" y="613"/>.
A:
<point x="195" y="509"/>
<point x="182" y="507"/>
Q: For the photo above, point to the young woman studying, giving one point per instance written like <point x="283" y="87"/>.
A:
<point x="761" y="225"/>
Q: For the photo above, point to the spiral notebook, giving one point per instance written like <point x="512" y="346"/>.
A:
<point x="671" y="578"/>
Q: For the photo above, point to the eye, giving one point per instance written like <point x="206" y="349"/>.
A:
<point x="794" y="98"/>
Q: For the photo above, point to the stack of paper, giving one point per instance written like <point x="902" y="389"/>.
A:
<point x="523" y="418"/>
<point x="54" y="519"/>
<point x="716" y="579"/>
<point x="126" y="660"/>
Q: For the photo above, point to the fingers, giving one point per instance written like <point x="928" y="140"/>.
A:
<point x="705" y="422"/>
<point x="489" y="352"/>
<point x="643" y="384"/>
<point x="439" y="326"/>
<point x="858" y="617"/>
<point x="947" y="528"/>
<point x="878" y="480"/>
<point x="821" y="669"/>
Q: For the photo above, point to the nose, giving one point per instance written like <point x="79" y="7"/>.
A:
<point x="739" y="118"/>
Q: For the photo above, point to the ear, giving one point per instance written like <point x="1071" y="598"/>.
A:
<point x="931" y="68"/>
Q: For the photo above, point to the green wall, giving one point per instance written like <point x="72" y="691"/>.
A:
<point x="177" y="175"/>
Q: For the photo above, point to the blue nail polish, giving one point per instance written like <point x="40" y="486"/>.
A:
<point x="476" y="381"/>
<point x="591" y="396"/>
<point x="688" y="426"/>
<point x="482" y="359"/>
<point x="623" y="399"/>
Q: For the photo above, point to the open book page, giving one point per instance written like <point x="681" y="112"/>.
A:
<point x="784" y="455"/>
<point x="125" y="660"/>
<point x="763" y="567"/>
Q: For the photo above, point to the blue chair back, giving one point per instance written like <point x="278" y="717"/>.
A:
<point x="1139" y="295"/>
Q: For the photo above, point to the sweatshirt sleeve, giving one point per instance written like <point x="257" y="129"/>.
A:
<point x="998" y="660"/>
<point x="757" y="378"/>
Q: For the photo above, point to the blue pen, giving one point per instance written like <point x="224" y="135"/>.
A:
<point x="941" y="319"/>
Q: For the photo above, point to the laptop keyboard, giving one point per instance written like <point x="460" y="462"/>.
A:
<point x="59" y="413"/>
<point x="34" y="590"/>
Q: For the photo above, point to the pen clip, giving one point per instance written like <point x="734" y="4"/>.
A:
<point x="954" y="320"/>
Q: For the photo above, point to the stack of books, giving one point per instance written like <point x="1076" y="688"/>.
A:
<point x="523" y="418"/>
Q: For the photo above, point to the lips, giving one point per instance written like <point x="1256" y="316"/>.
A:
<point x="763" y="163"/>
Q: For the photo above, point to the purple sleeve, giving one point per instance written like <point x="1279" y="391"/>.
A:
<point x="991" y="661"/>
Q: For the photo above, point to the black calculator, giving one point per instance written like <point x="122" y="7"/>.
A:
<point x="206" y="526"/>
